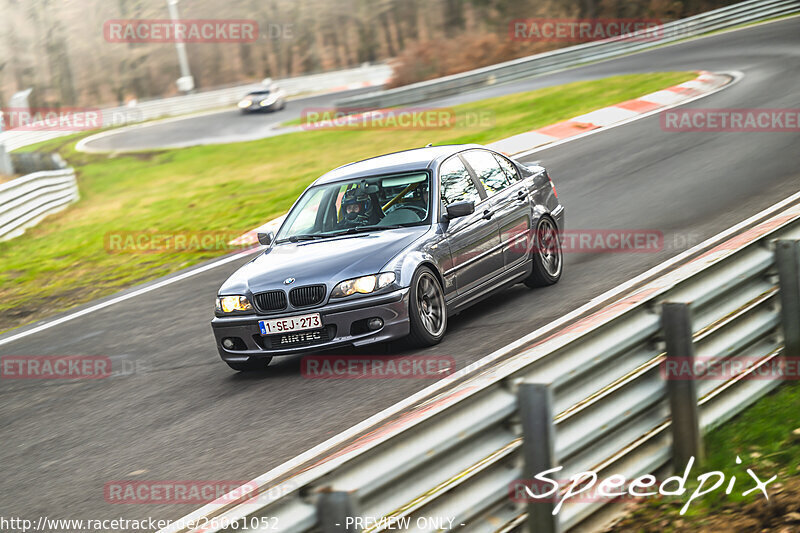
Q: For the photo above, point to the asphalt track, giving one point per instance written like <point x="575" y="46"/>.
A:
<point x="185" y="416"/>
<point x="220" y="127"/>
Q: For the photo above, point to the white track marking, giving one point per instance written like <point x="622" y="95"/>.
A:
<point x="606" y="116"/>
<point x="149" y="288"/>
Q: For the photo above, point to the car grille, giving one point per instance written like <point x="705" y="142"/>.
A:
<point x="270" y="301"/>
<point x="294" y="340"/>
<point x="307" y="296"/>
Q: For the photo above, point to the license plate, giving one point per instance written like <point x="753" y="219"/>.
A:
<point x="288" y="324"/>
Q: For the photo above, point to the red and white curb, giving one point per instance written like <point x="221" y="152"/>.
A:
<point x="705" y="83"/>
<point x="607" y="117"/>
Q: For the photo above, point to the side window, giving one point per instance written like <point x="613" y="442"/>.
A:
<point x="508" y="167"/>
<point x="488" y="170"/>
<point x="456" y="182"/>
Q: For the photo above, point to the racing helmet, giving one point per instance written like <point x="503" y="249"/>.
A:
<point x="355" y="197"/>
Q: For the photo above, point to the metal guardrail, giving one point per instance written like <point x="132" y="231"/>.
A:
<point x="25" y="201"/>
<point x="587" y="395"/>
<point x="209" y="100"/>
<point x="727" y="17"/>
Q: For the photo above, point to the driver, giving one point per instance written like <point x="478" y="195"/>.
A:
<point x="356" y="207"/>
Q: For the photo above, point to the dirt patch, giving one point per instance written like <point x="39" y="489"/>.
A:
<point x="781" y="514"/>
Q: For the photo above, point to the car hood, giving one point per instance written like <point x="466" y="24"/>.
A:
<point x="327" y="261"/>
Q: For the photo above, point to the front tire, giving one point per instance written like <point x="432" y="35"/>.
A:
<point x="546" y="254"/>
<point x="251" y="365"/>
<point x="427" y="309"/>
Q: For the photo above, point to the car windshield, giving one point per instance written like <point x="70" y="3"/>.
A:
<point x="366" y="204"/>
<point x="258" y="93"/>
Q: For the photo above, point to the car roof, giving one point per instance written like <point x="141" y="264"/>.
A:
<point x="404" y="161"/>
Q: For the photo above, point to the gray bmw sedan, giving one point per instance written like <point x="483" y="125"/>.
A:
<point x="386" y="248"/>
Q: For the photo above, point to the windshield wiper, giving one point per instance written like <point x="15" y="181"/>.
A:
<point x="302" y="237"/>
<point x="348" y="231"/>
<point x="361" y="229"/>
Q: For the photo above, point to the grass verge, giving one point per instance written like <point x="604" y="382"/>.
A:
<point x="63" y="262"/>
<point x="767" y="439"/>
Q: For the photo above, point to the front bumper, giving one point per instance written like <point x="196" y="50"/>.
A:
<point x="338" y="318"/>
<point x="254" y="108"/>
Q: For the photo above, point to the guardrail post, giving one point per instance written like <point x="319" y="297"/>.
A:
<point x="538" y="448"/>
<point x="5" y="162"/>
<point x="687" y="440"/>
<point x="333" y="510"/>
<point x="787" y="257"/>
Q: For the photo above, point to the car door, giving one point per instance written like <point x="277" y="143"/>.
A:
<point x="474" y="240"/>
<point x="507" y="202"/>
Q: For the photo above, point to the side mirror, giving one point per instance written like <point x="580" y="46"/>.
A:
<point x="266" y="238"/>
<point x="460" y="209"/>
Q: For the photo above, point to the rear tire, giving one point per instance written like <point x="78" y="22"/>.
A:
<point x="546" y="254"/>
<point x="251" y="365"/>
<point x="426" y="309"/>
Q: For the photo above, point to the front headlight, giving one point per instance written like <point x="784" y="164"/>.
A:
<point x="233" y="304"/>
<point x="268" y="101"/>
<point x="245" y="103"/>
<point x="363" y="285"/>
